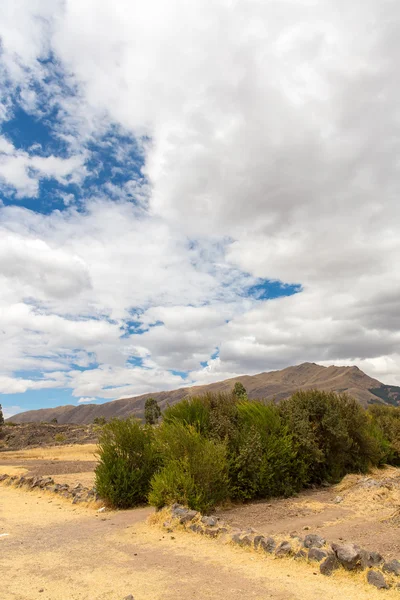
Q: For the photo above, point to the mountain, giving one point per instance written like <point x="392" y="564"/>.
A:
<point x="274" y="385"/>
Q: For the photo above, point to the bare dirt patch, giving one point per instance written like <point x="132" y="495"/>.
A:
<point x="69" y="552"/>
<point x="360" y="509"/>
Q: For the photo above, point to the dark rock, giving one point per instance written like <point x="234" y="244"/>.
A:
<point x="130" y="597"/>
<point x="329" y="565"/>
<point x="300" y="554"/>
<point x="4" y="477"/>
<point x="284" y="549"/>
<point x="211" y="532"/>
<point x="392" y="567"/>
<point x="317" y="554"/>
<point x="376" y="579"/>
<point x="348" y="555"/>
<point x="188" y="516"/>
<point x="245" y="540"/>
<point x="196" y="528"/>
<point x="370" y="559"/>
<point x="313" y="540"/>
<point x="267" y="544"/>
<point x="209" y="521"/>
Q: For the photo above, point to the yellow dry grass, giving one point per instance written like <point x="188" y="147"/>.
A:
<point x="367" y="499"/>
<point x="73" y="452"/>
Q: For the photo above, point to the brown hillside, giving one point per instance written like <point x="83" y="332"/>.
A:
<point x="273" y="385"/>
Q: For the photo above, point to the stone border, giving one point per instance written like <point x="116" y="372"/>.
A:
<point x="313" y="548"/>
<point x="77" y="493"/>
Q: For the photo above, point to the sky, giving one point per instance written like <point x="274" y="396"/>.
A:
<point x="195" y="189"/>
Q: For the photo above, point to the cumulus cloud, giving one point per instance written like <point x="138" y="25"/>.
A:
<point x="270" y="151"/>
<point x="86" y="400"/>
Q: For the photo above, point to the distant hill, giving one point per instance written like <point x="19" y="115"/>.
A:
<point x="273" y="385"/>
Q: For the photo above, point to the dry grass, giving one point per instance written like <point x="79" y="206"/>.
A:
<point x="73" y="452"/>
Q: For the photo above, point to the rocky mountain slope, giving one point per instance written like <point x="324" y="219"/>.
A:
<point x="273" y="385"/>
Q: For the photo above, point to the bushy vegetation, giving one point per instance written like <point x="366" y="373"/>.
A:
<point x="217" y="447"/>
<point x="1" y="416"/>
<point x="127" y="462"/>
<point x="152" y="411"/>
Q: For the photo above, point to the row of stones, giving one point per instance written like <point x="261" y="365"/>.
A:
<point x="313" y="547"/>
<point x="77" y="493"/>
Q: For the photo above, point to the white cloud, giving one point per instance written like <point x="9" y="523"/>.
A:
<point x="86" y="400"/>
<point x="273" y="151"/>
<point x="22" y="171"/>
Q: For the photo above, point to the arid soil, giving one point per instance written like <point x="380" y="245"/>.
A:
<point x="360" y="510"/>
<point x="75" y="553"/>
<point x="54" y="551"/>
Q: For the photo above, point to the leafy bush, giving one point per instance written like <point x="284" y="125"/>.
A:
<point x="127" y="462"/>
<point x="385" y="427"/>
<point x="240" y="391"/>
<point x="193" y="411"/>
<point x="1" y="416"/>
<point x="99" y="421"/>
<point x="195" y="469"/>
<point x="264" y="461"/>
<point x="59" y="437"/>
<point x="332" y="434"/>
<point x="152" y="411"/>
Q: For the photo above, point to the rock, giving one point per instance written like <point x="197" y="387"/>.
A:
<point x="313" y="540"/>
<point x="329" y="565"/>
<point x="376" y="579"/>
<point x="102" y="509"/>
<point x="211" y="532"/>
<point x="130" y="597"/>
<point x="196" y="528"/>
<point x="348" y="555"/>
<point x="245" y="540"/>
<point x="284" y="549"/>
<point x="4" y="477"/>
<point x="267" y="544"/>
<point x="209" y="521"/>
<point x="317" y="554"/>
<point x="185" y="515"/>
<point x="300" y="554"/>
<point x="392" y="567"/>
<point x="370" y="559"/>
<point x="338" y="499"/>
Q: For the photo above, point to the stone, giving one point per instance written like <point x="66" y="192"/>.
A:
<point x="376" y="579"/>
<point x="209" y="521"/>
<point x="284" y="549"/>
<point x="392" y="567"/>
<point x="4" y="477"/>
<point x="267" y="544"/>
<point x="349" y="555"/>
<point x="370" y="559"/>
<point x="329" y="565"/>
<point x="313" y="540"/>
<point x="187" y="516"/>
<point x="196" y="528"/>
<point x="130" y="597"/>
<point x="300" y="554"/>
<point x="211" y="532"/>
<point x="317" y="554"/>
<point x="245" y="540"/>
<point x="338" y="499"/>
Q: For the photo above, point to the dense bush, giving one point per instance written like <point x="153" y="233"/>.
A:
<point x="332" y="433"/>
<point x="152" y="411"/>
<point x="385" y="426"/>
<point x="220" y="446"/>
<point x="195" y="469"/>
<point x="127" y="462"/>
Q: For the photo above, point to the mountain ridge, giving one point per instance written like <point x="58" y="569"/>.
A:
<point x="274" y="385"/>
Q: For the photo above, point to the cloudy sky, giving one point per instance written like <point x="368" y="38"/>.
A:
<point x="195" y="189"/>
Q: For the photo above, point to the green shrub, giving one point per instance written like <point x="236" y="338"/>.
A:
<point x="152" y="411"/>
<point x="1" y="416"/>
<point x="195" y="469"/>
<point x="60" y="437"/>
<point x="193" y="411"/>
<point x="264" y="461"/>
<point x="332" y="433"/>
<point x="99" y="421"/>
<point x="385" y="427"/>
<point x="127" y="462"/>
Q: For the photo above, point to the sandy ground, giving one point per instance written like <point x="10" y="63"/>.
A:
<point x="363" y="515"/>
<point x="55" y="551"/>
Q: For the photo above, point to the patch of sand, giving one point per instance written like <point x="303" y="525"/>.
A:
<point x="75" y="554"/>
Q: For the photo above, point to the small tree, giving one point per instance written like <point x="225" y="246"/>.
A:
<point x="54" y="421"/>
<point x="1" y="416"/>
<point x="152" y="411"/>
<point x="240" y="391"/>
<point x="99" y="421"/>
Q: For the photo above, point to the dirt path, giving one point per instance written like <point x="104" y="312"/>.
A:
<point x="77" y="554"/>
